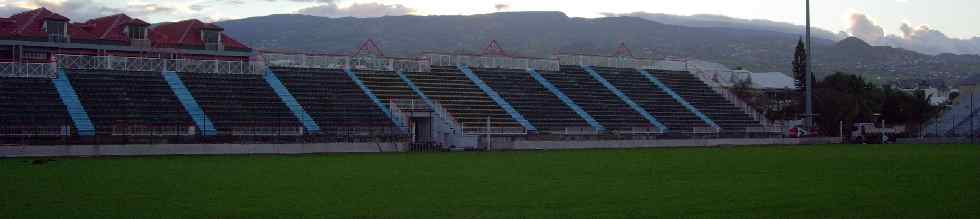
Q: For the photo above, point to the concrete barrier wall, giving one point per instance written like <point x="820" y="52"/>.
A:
<point x="194" y="149"/>
<point x="499" y="144"/>
<point x="531" y="145"/>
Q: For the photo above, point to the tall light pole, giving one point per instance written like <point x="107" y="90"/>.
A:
<point x="809" y="72"/>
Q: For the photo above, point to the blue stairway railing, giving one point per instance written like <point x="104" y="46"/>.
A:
<point x="565" y="99"/>
<point x="402" y="125"/>
<point x="428" y="102"/>
<point x="201" y="119"/>
<point x="290" y="101"/>
<point x="75" y="109"/>
<point x="497" y="98"/>
<point x="679" y="99"/>
<point x="622" y="96"/>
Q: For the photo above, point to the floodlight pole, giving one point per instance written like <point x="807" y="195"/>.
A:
<point x="809" y="72"/>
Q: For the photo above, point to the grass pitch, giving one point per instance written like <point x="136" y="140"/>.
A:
<point x="886" y="181"/>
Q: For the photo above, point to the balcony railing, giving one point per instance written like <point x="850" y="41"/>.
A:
<point x="59" y="38"/>
<point x="140" y="43"/>
<point x="214" y="46"/>
<point x="605" y="61"/>
<point x="140" y="64"/>
<point x="27" y="70"/>
<point x="503" y="62"/>
<point x="326" y="61"/>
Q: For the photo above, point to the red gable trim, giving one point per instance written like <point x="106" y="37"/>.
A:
<point x="623" y="51"/>
<point x="369" y="47"/>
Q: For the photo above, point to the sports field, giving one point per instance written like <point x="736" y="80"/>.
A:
<point x="833" y="181"/>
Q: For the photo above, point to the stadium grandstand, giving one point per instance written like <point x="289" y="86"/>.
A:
<point x="120" y="80"/>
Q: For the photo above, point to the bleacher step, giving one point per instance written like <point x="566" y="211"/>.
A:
<point x="291" y="103"/>
<point x="185" y="97"/>
<point x="75" y="108"/>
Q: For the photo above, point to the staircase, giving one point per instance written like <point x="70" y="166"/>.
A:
<point x="721" y="111"/>
<point x="604" y="106"/>
<point x="498" y="99"/>
<point x="197" y="115"/>
<point x="69" y="98"/>
<point x="339" y="104"/>
<point x="32" y="107"/>
<point x="464" y="101"/>
<point x="290" y="101"/>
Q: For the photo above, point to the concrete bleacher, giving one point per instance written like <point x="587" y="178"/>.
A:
<point x="464" y="100"/>
<point x="542" y="108"/>
<point x="599" y="102"/>
<point x="656" y="101"/>
<point x="730" y="118"/>
<point x="30" y="107"/>
<point x="390" y="88"/>
<point x="241" y="105"/>
<point x="336" y="103"/>
<point x="122" y="103"/>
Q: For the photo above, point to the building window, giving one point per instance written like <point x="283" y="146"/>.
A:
<point x="136" y="32"/>
<point x="211" y="36"/>
<point x="57" y="31"/>
<point x="212" y="39"/>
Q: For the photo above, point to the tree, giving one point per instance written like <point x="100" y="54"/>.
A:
<point x="799" y="74"/>
<point x="851" y="99"/>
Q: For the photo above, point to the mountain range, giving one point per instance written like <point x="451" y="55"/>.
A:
<point x="542" y="34"/>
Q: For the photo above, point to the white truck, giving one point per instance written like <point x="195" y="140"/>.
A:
<point x="867" y="133"/>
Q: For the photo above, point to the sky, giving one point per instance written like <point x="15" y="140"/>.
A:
<point x="949" y="16"/>
<point x="876" y="21"/>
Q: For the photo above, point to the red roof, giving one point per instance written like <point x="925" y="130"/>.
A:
<point x="30" y="24"/>
<point x="109" y="28"/>
<point x="187" y="33"/>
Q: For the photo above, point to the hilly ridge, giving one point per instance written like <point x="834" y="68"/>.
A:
<point x="541" y="34"/>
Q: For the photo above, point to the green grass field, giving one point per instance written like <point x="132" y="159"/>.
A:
<point x="891" y="181"/>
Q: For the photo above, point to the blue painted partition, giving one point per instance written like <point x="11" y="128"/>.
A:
<point x="497" y="98"/>
<point x="679" y="99"/>
<point x="622" y="96"/>
<point x="201" y="120"/>
<point x="565" y="99"/>
<point x="290" y="101"/>
<point x="402" y="125"/>
<point x="75" y="109"/>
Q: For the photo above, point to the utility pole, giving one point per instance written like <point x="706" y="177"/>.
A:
<point x="809" y="72"/>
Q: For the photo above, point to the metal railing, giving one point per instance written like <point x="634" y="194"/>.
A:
<point x="585" y="130"/>
<point x="476" y="61"/>
<point x="27" y="70"/>
<point x="730" y="97"/>
<point x="438" y="108"/>
<point x="327" y="61"/>
<point x="140" y="43"/>
<point x="36" y="131"/>
<point x="142" y="64"/>
<point x="409" y="104"/>
<point x="267" y="131"/>
<point x="154" y="131"/>
<point x="481" y="129"/>
<point x="59" y="38"/>
<point x="605" y="61"/>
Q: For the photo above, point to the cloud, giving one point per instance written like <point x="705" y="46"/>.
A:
<point x="501" y="7"/>
<point x="923" y="38"/>
<point x="360" y="10"/>
<point x="81" y="10"/>
<point x="714" y="20"/>
<point x="863" y="27"/>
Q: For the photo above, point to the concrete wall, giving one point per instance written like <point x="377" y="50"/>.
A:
<point x="531" y="145"/>
<point x="194" y="149"/>
<point x="500" y="143"/>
